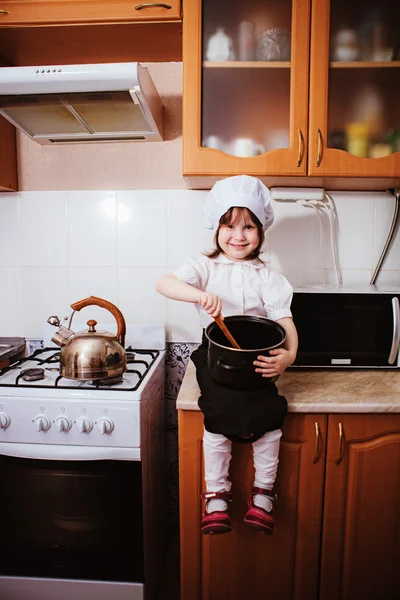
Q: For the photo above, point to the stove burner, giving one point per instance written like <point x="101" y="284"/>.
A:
<point x="31" y="374"/>
<point x="108" y="381"/>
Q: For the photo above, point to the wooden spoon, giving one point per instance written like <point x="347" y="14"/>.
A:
<point x="219" y="321"/>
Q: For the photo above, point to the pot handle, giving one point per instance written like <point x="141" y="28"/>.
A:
<point x="117" y="314"/>
<point x="242" y="367"/>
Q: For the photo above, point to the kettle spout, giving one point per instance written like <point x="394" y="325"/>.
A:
<point x="62" y="336"/>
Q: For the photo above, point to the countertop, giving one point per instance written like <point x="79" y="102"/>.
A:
<point x="11" y="346"/>
<point x="321" y="391"/>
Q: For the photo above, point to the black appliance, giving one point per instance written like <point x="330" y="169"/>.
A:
<point x="347" y="330"/>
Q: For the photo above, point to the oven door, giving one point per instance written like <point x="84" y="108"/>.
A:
<point x="71" y="520"/>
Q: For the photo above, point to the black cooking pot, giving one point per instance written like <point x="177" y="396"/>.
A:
<point x="234" y="368"/>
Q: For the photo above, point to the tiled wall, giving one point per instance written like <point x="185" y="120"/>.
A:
<point x="59" y="247"/>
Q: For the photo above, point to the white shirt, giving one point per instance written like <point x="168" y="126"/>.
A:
<point x="245" y="287"/>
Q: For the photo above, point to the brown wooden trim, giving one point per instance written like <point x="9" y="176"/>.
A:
<point x="53" y="12"/>
<point x="150" y="42"/>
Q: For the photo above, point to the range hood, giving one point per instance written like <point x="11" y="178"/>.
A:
<point x="82" y="103"/>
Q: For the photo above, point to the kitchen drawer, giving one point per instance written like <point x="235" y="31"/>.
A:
<point x="62" y="12"/>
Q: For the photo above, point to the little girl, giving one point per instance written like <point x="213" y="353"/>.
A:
<point x="233" y="280"/>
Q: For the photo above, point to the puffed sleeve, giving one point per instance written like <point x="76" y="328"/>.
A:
<point x="195" y="272"/>
<point x="277" y="296"/>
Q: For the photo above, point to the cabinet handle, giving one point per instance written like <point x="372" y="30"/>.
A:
<point x="152" y="4"/>
<point x="317" y="437"/>
<point x="4" y="12"/>
<point x="301" y="147"/>
<point x="319" y="149"/>
<point x="340" y="457"/>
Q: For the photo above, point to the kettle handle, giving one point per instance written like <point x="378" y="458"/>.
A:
<point x="117" y="314"/>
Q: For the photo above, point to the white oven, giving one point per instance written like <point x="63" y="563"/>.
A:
<point x="82" y="478"/>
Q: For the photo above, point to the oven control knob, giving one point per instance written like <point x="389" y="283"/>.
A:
<point x="42" y="423"/>
<point x="84" y="425"/>
<point x="105" y="426"/>
<point x="63" y="424"/>
<point x="4" y="420"/>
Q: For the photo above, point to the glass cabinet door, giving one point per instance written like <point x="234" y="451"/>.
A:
<point x="249" y="87"/>
<point x="359" y="114"/>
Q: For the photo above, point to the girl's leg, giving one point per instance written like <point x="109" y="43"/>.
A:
<point x="266" y="458"/>
<point x="217" y="451"/>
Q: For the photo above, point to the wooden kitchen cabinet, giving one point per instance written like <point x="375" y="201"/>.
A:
<point x="244" y="563"/>
<point x="337" y="518"/>
<point x="360" y="551"/>
<point x="57" y="12"/>
<point x="313" y="113"/>
<point x="60" y="32"/>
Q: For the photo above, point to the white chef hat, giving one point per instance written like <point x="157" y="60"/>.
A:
<point x="240" y="190"/>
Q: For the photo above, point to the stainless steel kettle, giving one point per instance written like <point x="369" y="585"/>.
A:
<point x="91" y="354"/>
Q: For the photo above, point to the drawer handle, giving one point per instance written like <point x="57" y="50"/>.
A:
<point x="301" y="147"/>
<point x="317" y="437"/>
<point x="4" y="12"/>
<point x="153" y="4"/>
<point x="319" y="149"/>
<point x="340" y="457"/>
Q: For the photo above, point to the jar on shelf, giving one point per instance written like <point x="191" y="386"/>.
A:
<point x="345" y="45"/>
<point x="220" y="47"/>
<point x="357" y="137"/>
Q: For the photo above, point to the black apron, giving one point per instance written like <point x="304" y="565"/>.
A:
<point x="237" y="414"/>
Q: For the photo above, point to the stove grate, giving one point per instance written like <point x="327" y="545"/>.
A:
<point x="37" y="356"/>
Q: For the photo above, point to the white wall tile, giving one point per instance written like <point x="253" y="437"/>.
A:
<point x="142" y="228"/>
<point x="45" y="292"/>
<point x="11" y="308"/>
<point x="92" y="229"/>
<point x="294" y="238"/>
<point x="356" y="228"/>
<point x="43" y="229"/>
<point x="384" y="209"/>
<point x="388" y="278"/>
<point x="138" y="298"/>
<point x="350" y="277"/>
<point x="117" y="244"/>
<point x="9" y="231"/>
<point x="93" y="281"/>
<point x="186" y="235"/>
<point x="183" y="322"/>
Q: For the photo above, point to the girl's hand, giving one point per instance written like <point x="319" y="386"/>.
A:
<point x="269" y="366"/>
<point x="211" y="303"/>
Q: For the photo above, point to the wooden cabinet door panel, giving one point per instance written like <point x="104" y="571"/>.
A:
<point x="48" y="12"/>
<point x="322" y="159"/>
<point x="200" y="160"/>
<point x="361" y="529"/>
<point x="243" y="563"/>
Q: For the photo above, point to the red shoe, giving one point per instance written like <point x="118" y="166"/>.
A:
<point x="257" y="517"/>
<point x="218" y="521"/>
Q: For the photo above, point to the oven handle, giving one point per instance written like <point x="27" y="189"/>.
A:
<point x="396" y="331"/>
<point x="51" y="452"/>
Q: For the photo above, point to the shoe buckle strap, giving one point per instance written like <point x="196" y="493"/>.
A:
<point x="263" y="492"/>
<point x="217" y="495"/>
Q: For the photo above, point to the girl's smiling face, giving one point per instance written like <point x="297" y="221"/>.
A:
<point x="239" y="237"/>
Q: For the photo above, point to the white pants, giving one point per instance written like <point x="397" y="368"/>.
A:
<point x="218" y="453"/>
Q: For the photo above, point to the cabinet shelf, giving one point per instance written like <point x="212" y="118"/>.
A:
<point x="369" y="64"/>
<point x="247" y="64"/>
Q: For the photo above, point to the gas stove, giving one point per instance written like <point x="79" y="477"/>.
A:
<point x="89" y="455"/>
<point x="38" y="406"/>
